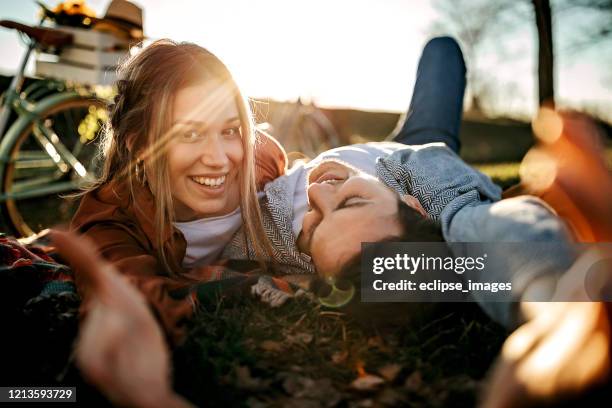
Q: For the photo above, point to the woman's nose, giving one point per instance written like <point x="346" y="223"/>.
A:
<point x="213" y="152"/>
<point x="321" y="197"/>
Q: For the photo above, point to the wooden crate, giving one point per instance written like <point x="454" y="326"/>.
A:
<point x="92" y="59"/>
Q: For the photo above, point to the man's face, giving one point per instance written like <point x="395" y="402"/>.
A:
<point x="347" y="207"/>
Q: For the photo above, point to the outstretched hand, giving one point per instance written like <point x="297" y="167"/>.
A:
<point x="561" y="353"/>
<point x="121" y="348"/>
<point x="565" y="349"/>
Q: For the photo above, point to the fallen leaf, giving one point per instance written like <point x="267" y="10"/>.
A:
<point x="339" y="357"/>
<point x="324" y="391"/>
<point x="304" y="338"/>
<point x="390" y="371"/>
<point x="368" y="382"/>
<point x="245" y="381"/>
<point x="365" y="403"/>
<point x="391" y="398"/>
<point x="272" y="346"/>
<point x="298" y="386"/>
<point x="375" y="341"/>
<point x="414" y="381"/>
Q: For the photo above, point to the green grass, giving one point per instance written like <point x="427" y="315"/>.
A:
<point x="244" y="352"/>
<point x="503" y="174"/>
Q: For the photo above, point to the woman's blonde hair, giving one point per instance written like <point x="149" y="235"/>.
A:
<point x="140" y="127"/>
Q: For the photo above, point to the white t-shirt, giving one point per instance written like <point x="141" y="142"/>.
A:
<point x="363" y="156"/>
<point x="207" y="237"/>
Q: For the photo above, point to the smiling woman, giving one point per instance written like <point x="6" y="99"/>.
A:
<point x="204" y="158"/>
<point x="180" y="149"/>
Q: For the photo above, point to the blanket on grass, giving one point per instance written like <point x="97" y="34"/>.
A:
<point x="48" y="276"/>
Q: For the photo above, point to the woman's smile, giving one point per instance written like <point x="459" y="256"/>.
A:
<point x="205" y="158"/>
<point x="209" y="181"/>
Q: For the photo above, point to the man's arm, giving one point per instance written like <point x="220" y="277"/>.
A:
<point x="519" y="220"/>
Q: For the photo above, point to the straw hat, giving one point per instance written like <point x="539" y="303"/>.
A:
<point x="123" y="19"/>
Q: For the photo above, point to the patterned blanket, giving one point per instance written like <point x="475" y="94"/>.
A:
<point x="43" y="268"/>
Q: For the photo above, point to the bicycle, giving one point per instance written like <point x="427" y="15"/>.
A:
<point x="50" y="148"/>
<point x="302" y="128"/>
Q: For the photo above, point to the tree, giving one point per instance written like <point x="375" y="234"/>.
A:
<point x="472" y="22"/>
<point x="599" y="29"/>
<point x="546" y="83"/>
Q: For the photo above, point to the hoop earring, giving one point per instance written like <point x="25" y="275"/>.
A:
<point x="139" y="169"/>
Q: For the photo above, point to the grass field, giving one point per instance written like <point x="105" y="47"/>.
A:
<point x="303" y="355"/>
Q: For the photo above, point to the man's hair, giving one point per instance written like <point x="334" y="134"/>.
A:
<point x="414" y="228"/>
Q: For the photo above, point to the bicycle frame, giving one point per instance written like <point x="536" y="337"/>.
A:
<point x="12" y="92"/>
<point x="29" y="112"/>
<point x="51" y="146"/>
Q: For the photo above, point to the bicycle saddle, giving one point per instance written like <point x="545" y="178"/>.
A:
<point x="47" y="37"/>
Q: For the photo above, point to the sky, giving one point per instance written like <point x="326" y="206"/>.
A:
<point x="340" y="53"/>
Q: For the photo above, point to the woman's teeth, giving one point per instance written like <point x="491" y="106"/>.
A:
<point x="209" y="181"/>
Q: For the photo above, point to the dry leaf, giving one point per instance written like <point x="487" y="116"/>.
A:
<point x="245" y="381"/>
<point x="272" y="346"/>
<point x="376" y="341"/>
<point x="304" y="338"/>
<point x="368" y="382"/>
<point x="414" y="381"/>
<point x="391" y="398"/>
<point x="365" y="403"/>
<point x="390" y="371"/>
<point x="325" y="392"/>
<point x="339" y="357"/>
<point x="298" y="386"/>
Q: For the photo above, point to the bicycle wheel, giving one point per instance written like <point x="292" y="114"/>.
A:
<point x="315" y="133"/>
<point x="54" y="155"/>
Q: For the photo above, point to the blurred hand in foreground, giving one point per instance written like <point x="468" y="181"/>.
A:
<point x="564" y="348"/>
<point x="561" y="353"/>
<point x="120" y="348"/>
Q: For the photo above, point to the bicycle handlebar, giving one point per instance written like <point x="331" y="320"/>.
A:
<point x="42" y="35"/>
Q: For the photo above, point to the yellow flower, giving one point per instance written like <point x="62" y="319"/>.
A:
<point x="74" y="7"/>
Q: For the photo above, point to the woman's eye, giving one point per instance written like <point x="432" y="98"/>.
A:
<point x="191" y="135"/>
<point x="231" y="132"/>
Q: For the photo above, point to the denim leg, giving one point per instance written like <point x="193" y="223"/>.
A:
<point x="437" y="101"/>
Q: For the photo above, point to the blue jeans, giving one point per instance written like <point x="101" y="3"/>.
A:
<point x="437" y="100"/>
<point x="435" y="116"/>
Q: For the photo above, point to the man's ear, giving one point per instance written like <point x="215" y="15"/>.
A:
<point x="412" y="202"/>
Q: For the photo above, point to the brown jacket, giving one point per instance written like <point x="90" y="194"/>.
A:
<point x="124" y="232"/>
